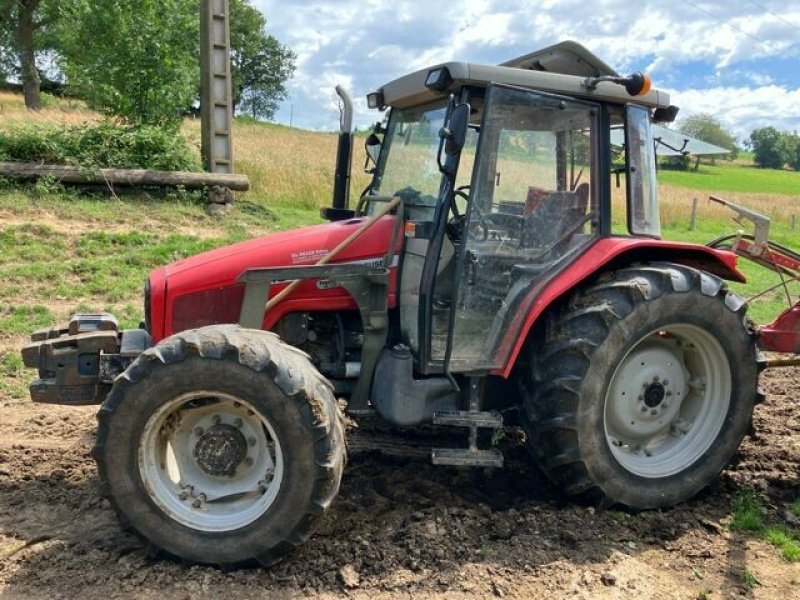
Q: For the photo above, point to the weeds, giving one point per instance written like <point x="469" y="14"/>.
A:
<point x="749" y="579"/>
<point x="97" y="145"/>
<point x="750" y="515"/>
<point x="786" y="540"/>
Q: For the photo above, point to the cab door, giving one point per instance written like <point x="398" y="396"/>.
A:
<point x="532" y="209"/>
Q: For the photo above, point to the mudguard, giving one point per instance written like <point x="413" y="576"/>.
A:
<point x="606" y="254"/>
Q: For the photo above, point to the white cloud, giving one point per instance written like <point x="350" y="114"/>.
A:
<point x="742" y="109"/>
<point x="365" y="43"/>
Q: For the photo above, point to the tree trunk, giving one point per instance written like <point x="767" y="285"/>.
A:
<point x="26" y="28"/>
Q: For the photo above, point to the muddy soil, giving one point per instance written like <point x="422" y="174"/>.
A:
<point x="402" y="528"/>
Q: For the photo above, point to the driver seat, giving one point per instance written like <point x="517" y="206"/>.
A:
<point x="551" y="217"/>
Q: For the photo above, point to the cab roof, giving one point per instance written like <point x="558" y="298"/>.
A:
<point x="558" y="69"/>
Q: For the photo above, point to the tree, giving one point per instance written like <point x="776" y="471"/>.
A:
<point x="792" y="145"/>
<point x="134" y="59"/>
<point x="260" y="64"/>
<point x="770" y="147"/>
<point x="707" y="128"/>
<point x="25" y="25"/>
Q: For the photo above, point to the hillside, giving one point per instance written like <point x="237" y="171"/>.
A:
<point x="291" y="172"/>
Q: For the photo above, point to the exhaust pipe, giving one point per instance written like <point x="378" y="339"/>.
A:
<point x="344" y="152"/>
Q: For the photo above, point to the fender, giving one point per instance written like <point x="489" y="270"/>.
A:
<point x="605" y="254"/>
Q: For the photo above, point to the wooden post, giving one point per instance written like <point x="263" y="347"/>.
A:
<point x="693" y="219"/>
<point x="793" y="222"/>
<point x="125" y="177"/>
<point x="216" y="97"/>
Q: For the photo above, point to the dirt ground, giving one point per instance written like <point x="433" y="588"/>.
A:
<point x="402" y="528"/>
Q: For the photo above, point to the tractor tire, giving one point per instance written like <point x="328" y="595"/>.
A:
<point x="642" y="387"/>
<point x="222" y="446"/>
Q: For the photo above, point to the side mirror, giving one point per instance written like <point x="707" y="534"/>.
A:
<point x="373" y="149"/>
<point x="455" y="133"/>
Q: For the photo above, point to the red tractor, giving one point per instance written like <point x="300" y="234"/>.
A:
<point x="484" y="278"/>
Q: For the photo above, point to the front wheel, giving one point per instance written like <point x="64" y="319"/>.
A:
<point x="221" y="445"/>
<point x="643" y="387"/>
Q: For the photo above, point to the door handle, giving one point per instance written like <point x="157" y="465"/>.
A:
<point x="472" y="267"/>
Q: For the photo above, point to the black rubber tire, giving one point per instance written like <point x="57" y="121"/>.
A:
<point x="273" y="377"/>
<point x="572" y="365"/>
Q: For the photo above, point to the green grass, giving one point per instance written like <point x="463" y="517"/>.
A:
<point x="94" y="253"/>
<point x="735" y="178"/>
<point x="749" y="579"/>
<point x="763" y="309"/>
<point x="749" y="515"/>
<point x="786" y="540"/>
<point x="23" y="319"/>
<point x="13" y="376"/>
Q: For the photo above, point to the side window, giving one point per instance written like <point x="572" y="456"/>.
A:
<point x="535" y="190"/>
<point x="643" y="218"/>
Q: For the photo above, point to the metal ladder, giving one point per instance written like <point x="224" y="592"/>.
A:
<point x="474" y="419"/>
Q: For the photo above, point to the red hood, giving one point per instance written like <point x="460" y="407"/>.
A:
<point x="305" y="246"/>
<point x="205" y="285"/>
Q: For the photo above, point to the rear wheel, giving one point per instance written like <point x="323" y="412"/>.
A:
<point x="643" y="387"/>
<point x="221" y="445"/>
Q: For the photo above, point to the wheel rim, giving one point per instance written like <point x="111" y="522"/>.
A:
<point x="667" y="401"/>
<point x="210" y="461"/>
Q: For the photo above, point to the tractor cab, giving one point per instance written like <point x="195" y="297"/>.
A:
<point x="505" y="173"/>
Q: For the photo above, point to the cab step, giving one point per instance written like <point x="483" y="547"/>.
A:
<point x="467" y="418"/>
<point x="466" y="457"/>
<point x="473" y="419"/>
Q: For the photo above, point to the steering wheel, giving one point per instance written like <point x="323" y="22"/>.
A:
<point x="461" y="192"/>
<point x="456" y="224"/>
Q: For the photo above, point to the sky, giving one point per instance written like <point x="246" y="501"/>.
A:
<point x="738" y="60"/>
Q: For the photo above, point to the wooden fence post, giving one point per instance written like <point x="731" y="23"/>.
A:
<point x="693" y="219"/>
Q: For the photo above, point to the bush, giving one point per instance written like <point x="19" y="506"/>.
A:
<point x="100" y="145"/>
<point x="676" y="163"/>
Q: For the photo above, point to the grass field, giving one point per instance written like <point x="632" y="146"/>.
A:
<point x="736" y="177"/>
<point x="60" y="252"/>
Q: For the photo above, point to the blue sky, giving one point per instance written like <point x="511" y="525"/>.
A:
<point x="737" y="60"/>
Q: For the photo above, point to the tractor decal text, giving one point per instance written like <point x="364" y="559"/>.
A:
<point x="308" y="256"/>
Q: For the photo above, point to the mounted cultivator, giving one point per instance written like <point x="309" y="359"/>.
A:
<point x="783" y="334"/>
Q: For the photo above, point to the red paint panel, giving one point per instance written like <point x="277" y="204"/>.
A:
<point x="606" y="252"/>
<point x="202" y="277"/>
<point x="783" y="334"/>
<point x="158" y="292"/>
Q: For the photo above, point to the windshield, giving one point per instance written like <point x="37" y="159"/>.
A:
<point x="409" y="156"/>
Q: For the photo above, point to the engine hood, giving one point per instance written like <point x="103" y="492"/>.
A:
<point x="303" y="246"/>
<point x="203" y="289"/>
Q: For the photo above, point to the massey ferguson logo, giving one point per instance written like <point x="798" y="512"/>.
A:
<point x="308" y="256"/>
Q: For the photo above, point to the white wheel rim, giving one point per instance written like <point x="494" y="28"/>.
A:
<point x="667" y="401"/>
<point x="210" y="461"/>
